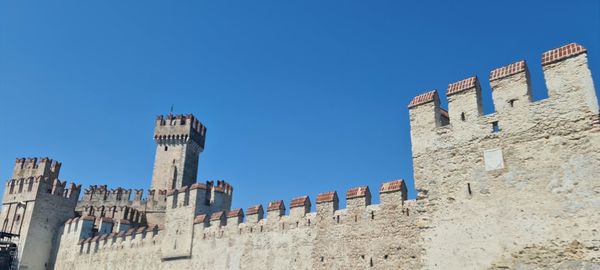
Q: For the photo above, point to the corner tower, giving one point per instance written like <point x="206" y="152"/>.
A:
<point x="34" y="206"/>
<point x="179" y="141"/>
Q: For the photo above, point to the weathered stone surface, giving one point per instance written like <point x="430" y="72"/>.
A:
<point x="517" y="189"/>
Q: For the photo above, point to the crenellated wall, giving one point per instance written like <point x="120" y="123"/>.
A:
<point x="494" y="188"/>
<point x="119" y="203"/>
<point x="515" y="189"/>
<point x="179" y="141"/>
<point x="361" y="235"/>
<point x="34" y="205"/>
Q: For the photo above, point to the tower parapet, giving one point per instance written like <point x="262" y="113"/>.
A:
<point x="570" y="88"/>
<point x="179" y="141"/>
<point x="34" y="206"/>
<point x="171" y="129"/>
<point x="26" y="167"/>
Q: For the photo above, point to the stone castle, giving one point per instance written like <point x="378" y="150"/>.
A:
<point x="516" y="189"/>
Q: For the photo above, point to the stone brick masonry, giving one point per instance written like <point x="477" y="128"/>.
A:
<point x="516" y="189"/>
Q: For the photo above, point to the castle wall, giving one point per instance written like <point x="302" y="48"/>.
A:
<point x="35" y="204"/>
<point x="516" y="189"/>
<point x="503" y="199"/>
<point x="361" y="236"/>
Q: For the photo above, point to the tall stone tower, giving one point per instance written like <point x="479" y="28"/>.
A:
<point x="179" y="142"/>
<point x="34" y="206"/>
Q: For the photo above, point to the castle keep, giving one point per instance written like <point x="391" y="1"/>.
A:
<point x="516" y="189"/>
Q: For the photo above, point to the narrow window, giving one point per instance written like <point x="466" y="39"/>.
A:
<point x="166" y="148"/>
<point x="322" y="258"/>
<point x="469" y="188"/>
<point x="371" y="262"/>
<point x="512" y="102"/>
<point x="462" y="116"/>
<point x="337" y="219"/>
<point x="495" y="127"/>
<point x="372" y="215"/>
<point x="385" y="257"/>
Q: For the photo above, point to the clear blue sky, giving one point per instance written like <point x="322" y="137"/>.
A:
<point x="299" y="97"/>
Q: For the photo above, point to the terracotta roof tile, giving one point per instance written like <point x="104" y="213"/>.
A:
<point x="561" y="53"/>
<point x="508" y="70"/>
<point x="357" y="192"/>
<point x="235" y="213"/>
<point x="444" y="113"/>
<point x="253" y="210"/>
<point x="299" y="201"/>
<point x="392" y="186"/>
<point x="276" y="205"/>
<point x="423" y="98"/>
<point x="329" y="196"/>
<point x="216" y="216"/>
<point x="200" y="219"/>
<point x="462" y="85"/>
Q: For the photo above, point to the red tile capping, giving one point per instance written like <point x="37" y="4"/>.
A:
<point x="235" y="213"/>
<point x="462" y="85"/>
<point x="392" y="186"/>
<point x="275" y="205"/>
<point x="423" y="98"/>
<point x="216" y="216"/>
<point x="357" y="192"/>
<point x="329" y="196"/>
<point x="561" y="53"/>
<point x="298" y="201"/>
<point x="508" y="70"/>
<point x="200" y="219"/>
<point x="253" y="210"/>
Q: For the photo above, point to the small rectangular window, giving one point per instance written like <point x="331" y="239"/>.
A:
<point x="495" y="127"/>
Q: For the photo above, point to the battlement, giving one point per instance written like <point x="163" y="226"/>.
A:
<point x="30" y="187"/>
<point x="118" y="204"/>
<point x="117" y="195"/>
<point x="206" y="197"/>
<point x="81" y="231"/>
<point x="176" y="129"/>
<point x="570" y="89"/>
<point x="393" y="195"/>
<point x="25" y="167"/>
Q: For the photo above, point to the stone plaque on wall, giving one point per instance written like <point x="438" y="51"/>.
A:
<point x="493" y="159"/>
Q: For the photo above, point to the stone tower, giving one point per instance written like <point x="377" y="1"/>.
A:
<point x="179" y="142"/>
<point x="35" y="205"/>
